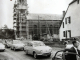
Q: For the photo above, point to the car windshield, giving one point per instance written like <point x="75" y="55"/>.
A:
<point x="38" y="44"/>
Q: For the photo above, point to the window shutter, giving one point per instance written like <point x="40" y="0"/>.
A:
<point x="66" y="34"/>
<point x="69" y="33"/>
<point x="63" y="33"/>
<point x="63" y="24"/>
<point x="69" y="19"/>
<point x="65" y="20"/>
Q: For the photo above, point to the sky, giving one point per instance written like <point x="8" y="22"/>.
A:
<point x="34" y="6"/>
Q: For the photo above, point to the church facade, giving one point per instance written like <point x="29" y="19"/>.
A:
<point x="27" y="25"/>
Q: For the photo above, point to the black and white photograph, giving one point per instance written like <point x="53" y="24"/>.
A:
<point x="39" y="29"/>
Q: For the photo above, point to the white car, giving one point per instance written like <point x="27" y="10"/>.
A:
<point x="2" y="47"/>
<point x="17" y="44"/>
<point x="37" y="48"/>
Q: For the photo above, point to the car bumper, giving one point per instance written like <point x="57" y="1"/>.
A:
<point x="44" y="54"/>
<point x="2" y="49"/>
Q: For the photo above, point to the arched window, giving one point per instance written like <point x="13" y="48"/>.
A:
<point x="35" y="29"/>
<point x="51" y="29"/>
<point x="43" y="29"/>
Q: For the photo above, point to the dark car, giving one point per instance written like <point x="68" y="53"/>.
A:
<point x="61" y="55"/>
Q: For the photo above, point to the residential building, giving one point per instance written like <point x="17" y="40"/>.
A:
<point x="71" y="21"/>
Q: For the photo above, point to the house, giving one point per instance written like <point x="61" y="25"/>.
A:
<point x="70" y="26"/>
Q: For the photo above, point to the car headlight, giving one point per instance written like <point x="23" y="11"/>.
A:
<point x="41" y="51"/>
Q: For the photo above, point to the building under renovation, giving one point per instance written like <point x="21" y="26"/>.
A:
<point x="19" y="18"/>
<point x="30" y="25"/>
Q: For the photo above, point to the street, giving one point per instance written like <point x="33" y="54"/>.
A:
<point x="20" y="55"/>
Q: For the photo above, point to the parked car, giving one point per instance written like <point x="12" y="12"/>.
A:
<point x="17" y="44"/>
<point x="37" y="48"/>
<point x="8" y="44"/>
<point x="2" y="47"/>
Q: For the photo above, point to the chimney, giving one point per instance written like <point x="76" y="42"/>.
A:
<point x="64" y="13"/>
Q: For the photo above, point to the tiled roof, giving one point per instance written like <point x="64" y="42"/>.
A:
<point x="44" y="17"/>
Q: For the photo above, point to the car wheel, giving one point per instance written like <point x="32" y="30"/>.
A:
<point x="49" y="55"/>
<point x="35" y="55"/>
<point x="3" y="50"/>
<point x="14" y="49"/>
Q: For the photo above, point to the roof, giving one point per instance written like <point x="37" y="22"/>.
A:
<point x="72" y="2"/>
<point x="68" y="8"/>
<point x="44" y="17"/>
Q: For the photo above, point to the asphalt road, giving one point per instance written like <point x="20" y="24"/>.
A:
<point x="20" y="55"/>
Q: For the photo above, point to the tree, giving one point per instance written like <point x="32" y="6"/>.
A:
<point x="6" y="33"/>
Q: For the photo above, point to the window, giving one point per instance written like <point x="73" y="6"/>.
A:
<point x="63" y="24"/>
<point x="65" y="20"/>
<point x="66" y="34"/>
<point x="69" y="33"/>
<point x="29" y="44"/>
<point x="63" y="33"/>
<point x="69" y="19"/>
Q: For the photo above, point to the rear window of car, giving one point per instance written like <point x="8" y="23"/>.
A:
<point x="38" y="44"/>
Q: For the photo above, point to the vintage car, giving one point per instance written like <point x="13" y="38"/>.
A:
<point x="17" y="44"/>
<point x="37" y="48"/>
<point x="63" y="55"/>
<point x="2" y="47"/>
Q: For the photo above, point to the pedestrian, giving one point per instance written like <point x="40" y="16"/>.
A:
<point x="73" y="49"/>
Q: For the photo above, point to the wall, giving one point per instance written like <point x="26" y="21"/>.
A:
<point x="74" y="13"/>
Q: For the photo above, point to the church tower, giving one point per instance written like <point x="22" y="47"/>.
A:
<point x="19" y="18"/>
